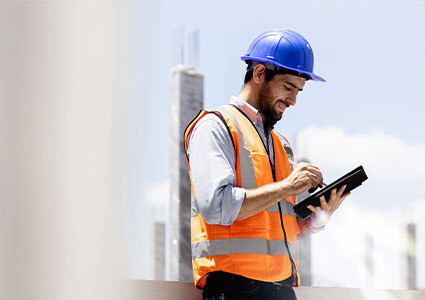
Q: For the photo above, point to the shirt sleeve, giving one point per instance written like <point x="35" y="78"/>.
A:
<point x="212" y="164"/>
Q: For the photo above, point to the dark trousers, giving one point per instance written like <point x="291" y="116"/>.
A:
<point x="226" y="286"/>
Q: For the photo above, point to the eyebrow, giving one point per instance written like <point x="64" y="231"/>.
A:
<point x="293" y="85"/>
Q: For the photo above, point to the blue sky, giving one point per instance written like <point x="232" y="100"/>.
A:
<point x="370" y="52"/>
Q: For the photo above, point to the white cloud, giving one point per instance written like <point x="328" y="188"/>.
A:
<point x="383" y="155"/>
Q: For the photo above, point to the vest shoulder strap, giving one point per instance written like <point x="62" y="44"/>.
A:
<point x="285" y="143"/>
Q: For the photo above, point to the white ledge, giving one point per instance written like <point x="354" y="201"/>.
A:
<point x="176" y="290"/>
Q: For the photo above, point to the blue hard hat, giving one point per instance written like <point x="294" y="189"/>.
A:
<point x="283" y="48"/>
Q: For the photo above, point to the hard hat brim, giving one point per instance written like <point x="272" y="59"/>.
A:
<point x="313" y="76"/>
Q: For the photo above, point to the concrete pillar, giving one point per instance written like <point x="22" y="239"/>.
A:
<point x="186" y="102"/>
<point x="304" y="246"/>
<point x="158" y="254"/>
<point x="304" y="259"/>
<point x="369" y="261"/>
<point x="411" y="256"/>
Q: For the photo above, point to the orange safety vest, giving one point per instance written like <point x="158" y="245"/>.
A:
<point x="254" y="247"/>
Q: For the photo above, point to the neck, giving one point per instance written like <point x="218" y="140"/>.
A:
<point x="250" y="95"/>
<point x="268" y="125"/>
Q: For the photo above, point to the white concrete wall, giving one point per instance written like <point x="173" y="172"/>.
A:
<point x="187" y="291"/>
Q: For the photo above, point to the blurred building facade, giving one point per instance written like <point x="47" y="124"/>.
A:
<point x="186" y="102"/>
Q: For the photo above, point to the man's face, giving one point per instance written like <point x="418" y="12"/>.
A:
<point x="278" y="94"/>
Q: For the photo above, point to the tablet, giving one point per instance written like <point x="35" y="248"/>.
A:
<point x="352" y="179"/>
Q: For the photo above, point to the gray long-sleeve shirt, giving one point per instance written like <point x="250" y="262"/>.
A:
<point x="212" y="163"/>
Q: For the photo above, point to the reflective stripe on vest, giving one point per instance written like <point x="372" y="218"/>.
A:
<point x="254" y="247"/>
<point x="249" y="245"/>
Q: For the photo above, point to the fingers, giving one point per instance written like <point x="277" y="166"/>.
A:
<point x="311" y="190"/>
<point x="313" y="172"/>
<point x="317" y="209"/>
<point x="336" y="195"/>
<point x="323" y="202"/>
<point x="345" y="196"/>
<point x="341" y="191"/>
<point x="315" y="180"/>
<point x="334" y="201"/>
<point x="314" y="209"/>
<point x="304" y="176"/>
<point x="310" y="168"/>
<point x="340" y="196"/>
<point x="332" y="198"/>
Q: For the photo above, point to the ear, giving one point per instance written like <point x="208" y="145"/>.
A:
<point x="259" y="74"/>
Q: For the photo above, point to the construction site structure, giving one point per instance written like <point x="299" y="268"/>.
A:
<point x="186" y="102"/>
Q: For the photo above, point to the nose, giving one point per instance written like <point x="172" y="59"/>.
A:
<point x="292" y="99"/>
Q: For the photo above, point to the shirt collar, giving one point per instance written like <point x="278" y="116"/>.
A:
<point x="252" y="113"/>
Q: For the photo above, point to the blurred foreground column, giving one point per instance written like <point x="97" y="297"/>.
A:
<point x="58" y="131"/>
<point x="186" y="102"/>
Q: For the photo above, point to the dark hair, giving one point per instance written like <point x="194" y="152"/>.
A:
<point x="271" y="73"/>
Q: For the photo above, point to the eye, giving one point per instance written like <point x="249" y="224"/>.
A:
<point x="287" y="88"/>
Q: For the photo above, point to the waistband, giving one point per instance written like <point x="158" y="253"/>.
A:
<point x="219" y="281"/>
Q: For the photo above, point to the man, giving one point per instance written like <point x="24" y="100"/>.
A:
<point x="244" y="230"/>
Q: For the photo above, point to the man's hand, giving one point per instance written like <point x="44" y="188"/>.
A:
<point x="320" y="215"/>
<point x="304" y="176"/>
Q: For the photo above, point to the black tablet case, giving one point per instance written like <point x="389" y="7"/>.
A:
<point x="352" y="179"/>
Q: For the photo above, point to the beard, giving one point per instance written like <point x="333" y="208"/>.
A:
<point x="266" y="105"/>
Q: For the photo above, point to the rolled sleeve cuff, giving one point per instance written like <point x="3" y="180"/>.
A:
<point x="232" y="204"/>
